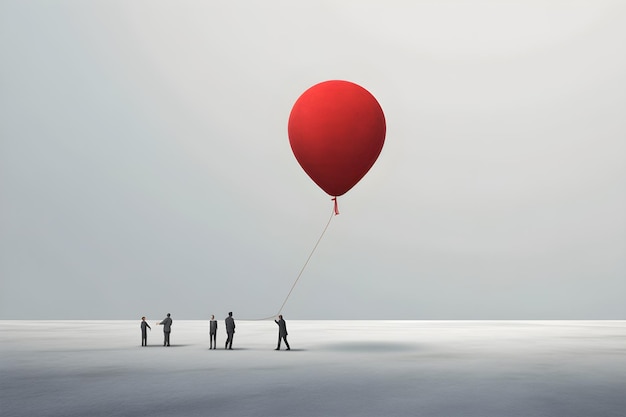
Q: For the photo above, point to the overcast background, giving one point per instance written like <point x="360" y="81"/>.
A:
<point x="145" y="166"/>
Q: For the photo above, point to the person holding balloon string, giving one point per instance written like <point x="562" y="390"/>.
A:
<point x="282" y="332"/>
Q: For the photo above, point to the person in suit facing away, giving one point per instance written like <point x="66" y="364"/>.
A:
<point x="230" y="331"/>
<point x="144" y="331"/>
<point x="167" y="329"/>
<point x="212" y="333"/>
<point x="282" y="332"/>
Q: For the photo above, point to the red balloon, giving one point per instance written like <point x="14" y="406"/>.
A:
<point x="336" y="131"/>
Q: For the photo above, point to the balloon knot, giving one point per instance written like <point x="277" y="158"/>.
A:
<point x="336" y="206"/>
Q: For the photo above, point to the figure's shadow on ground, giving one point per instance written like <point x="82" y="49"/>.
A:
<point x="243" y="348"/>
<point x="222" y="349"/>
<point x="161" y="346"/>
<point x="235" y="348"/>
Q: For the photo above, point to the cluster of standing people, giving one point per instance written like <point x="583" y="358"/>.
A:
<point x="167" y="329"/>
<point x="230" y="331"/>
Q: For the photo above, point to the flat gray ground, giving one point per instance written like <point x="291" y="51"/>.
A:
<point x="335" y="368"/>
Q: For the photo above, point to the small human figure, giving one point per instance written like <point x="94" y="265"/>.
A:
<point x="282" y="332"/>
<point x="212" y="333"/>
<point x="144" y="331"/>
<point x="167" y="329"/>
<point x="230" y="331"/>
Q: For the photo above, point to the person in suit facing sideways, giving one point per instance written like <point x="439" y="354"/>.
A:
<point x="144" y="331"/>
<point x="230" y="330"/>
<point x="212" y="333"/>
<point x="282" y="332"/>
<point x="167" y="329"/>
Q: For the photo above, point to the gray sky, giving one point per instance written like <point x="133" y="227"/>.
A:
<point x="145" y="166"/>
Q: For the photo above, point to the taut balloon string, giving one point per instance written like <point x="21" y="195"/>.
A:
<point x="307" y="261"/>
<point x="333" y="214"/>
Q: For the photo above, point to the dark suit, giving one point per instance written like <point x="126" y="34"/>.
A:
<point x="212" y="333"/>
<point x="230" y="332"/>
<point x="167" y="329"/>
<point x="282" y="333"/>
<point x="144" y="332"/>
